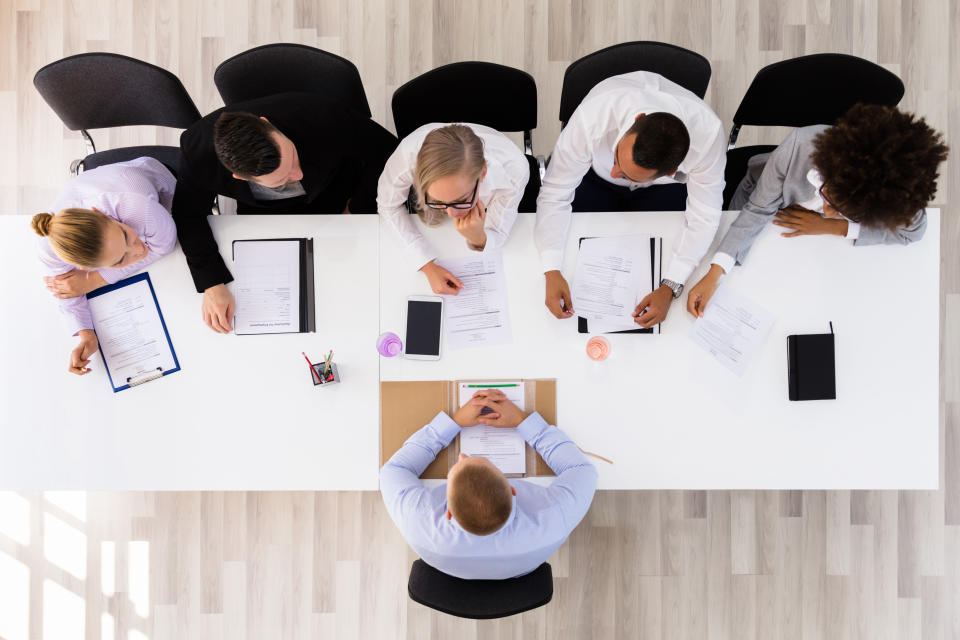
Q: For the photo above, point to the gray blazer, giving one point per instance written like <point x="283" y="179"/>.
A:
<point x="778" y="179"/>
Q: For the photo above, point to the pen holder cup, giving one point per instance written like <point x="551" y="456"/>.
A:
<point x="318" y="380"/>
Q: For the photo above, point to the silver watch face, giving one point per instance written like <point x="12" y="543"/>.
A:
<point x="675" y="287"/>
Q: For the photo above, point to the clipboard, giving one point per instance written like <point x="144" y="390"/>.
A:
<point x="406" y="406"/>
<point x="147" y="377"/>
<point x="308" y="309"/>
<point x="656" y="267"/>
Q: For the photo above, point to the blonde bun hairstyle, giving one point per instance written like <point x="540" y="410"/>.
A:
<point x="76" y="235"/>
<point x="40" y="224"/>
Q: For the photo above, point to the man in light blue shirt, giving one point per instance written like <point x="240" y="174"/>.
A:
<point x="480" y="525"/>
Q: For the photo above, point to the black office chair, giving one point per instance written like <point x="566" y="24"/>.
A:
<point x="688" y="69"/>
<point x="98" y="90"/>
<point x="282" y="67"/>
<point x="479" y="599"/>
<point x="502" y="98"/>
<point x="833" y="82"/>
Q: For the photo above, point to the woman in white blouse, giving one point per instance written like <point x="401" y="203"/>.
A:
<point x="468" y="172"/>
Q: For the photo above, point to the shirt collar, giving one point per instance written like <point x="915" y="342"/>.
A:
<point x="513" y="515"/>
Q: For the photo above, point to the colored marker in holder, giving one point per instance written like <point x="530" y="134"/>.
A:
<point x="319" y="379"/>
<point x="598" y="348"/>
<point x="389" y="344"/>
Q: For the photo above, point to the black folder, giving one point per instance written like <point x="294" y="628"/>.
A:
<point x="812" y="369"/>
<point x="654" y="271"/>
<point x="308" y="312"/>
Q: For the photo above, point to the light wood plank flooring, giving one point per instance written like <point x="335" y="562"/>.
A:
<point x="735" y="565"/>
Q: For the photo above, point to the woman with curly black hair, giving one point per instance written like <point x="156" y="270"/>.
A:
<point x="867" y="179"/>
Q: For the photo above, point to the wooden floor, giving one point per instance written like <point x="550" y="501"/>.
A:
<point x="734" y="565"/>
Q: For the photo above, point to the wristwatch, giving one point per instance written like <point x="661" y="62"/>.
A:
<point x="675" y="287"/>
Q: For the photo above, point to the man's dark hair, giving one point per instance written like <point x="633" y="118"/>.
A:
<point x="662" y="142"/>
<point x="243" y="144"/>
<point x="879" y="165"/>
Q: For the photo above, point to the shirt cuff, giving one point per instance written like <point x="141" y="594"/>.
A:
<point x="724" y="260"/>
<point x="853" y="230"/>
<point x="79" y="324"/>
<point x="677" y="272"/>
<point x="423" y="253"/>
<point x="110" y="276"/>
<point x="532" y="425"/>
<point x="552" y="260"/>
<point x="445" y="427"/>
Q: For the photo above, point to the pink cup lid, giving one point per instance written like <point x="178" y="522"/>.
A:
<point x="598" y="348"/>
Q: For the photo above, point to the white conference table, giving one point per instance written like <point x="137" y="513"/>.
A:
<point x="671" y="417"/>
<point x="241" y="414"/>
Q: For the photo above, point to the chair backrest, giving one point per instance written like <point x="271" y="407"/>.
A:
<point x="688" y="69"/>
<point x="815" y="89"/>
<point x="282" y="67"/>
<point x="97" y="90"/>
<point x="480" y="599"/>
<point x="494" y="95"/>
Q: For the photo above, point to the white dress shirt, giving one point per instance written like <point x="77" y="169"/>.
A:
<point x="500" y="191"/>
<point x="726" y="262"/>
<point x="541" y="518"/>
<point x="589" y="140"/>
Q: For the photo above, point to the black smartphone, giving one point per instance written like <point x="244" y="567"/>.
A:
<point x="424" y="324"/>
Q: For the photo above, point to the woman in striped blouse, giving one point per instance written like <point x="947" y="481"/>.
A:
<point x="109" y="223"/>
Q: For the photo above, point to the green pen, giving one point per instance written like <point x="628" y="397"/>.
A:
<point x="488" y="386"/>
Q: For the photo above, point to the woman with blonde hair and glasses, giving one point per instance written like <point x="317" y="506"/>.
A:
<point x="468" y="172"/>
<point x="110" y="222"/>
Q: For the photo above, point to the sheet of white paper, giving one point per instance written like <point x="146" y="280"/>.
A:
<point x="268" y="286"/>
<point x="505" y="448"/>
<point x="131" y="336"/>
<point x="732" y="329"/>
<point x="612" y="276"/>
<point x="478" y="316"/>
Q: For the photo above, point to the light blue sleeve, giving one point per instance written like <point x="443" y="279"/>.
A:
<point x="576" y="481"/>
<point x="400" y="483"/>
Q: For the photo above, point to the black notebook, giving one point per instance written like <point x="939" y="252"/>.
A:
<point x="274" y="286"/>
<point x="812" y="371"/>
<point x="656" y="263"/>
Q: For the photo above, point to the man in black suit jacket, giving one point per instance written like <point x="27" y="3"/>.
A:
<point x="287" y="153"/>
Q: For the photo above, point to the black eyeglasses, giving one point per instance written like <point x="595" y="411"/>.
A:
<point x="457" y="205"/>
<point x="829" y="201"/>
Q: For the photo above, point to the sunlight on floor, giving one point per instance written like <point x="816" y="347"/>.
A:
<point x="136" y="635"/>
<point x="73" y="502"/>
<point x="15" y="523"/>
<point x="65" y="546"/>
<point x="108" y="567"/>
<point x="63" y="613"/>
<point x="14" y="598"/>
<point x="138" y="578"/>
<point x="106" y="627"/>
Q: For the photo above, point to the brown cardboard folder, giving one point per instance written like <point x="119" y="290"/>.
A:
<point x="405" y="407"/>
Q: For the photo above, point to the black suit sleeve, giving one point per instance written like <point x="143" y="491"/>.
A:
<point x="191" y="206"/>
<point x="377" y="145"/>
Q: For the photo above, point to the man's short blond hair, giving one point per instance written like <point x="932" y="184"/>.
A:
<point x="480" y="498"/>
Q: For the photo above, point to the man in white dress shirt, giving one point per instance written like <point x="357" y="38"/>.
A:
<point x="633" y="143"/>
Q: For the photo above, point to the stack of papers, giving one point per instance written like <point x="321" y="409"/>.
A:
<point x="267" y="286"/>
<point x="732" y="329"/>
<point x="505" y="448"/>
<point x="477" y="316"/>
<point x="612" y="276"/>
